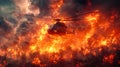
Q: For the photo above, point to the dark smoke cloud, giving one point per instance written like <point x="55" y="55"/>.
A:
<point x="75" y="7"/>
<point x="4" y="27"/>
<point x="44" y="6"/>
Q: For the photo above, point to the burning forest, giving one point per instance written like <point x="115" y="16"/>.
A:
<point x="59" y="33"/>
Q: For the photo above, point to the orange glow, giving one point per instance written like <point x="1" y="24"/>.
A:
<point x="104" y="43"/>
<point x="32" y="47"/>
<point x="36" y="61"/>
<point x="93" y="16"/>
<point x="109" y="58"/>
<point x="56" y="5"/>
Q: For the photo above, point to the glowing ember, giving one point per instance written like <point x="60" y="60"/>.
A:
<point x="109" y="59"/>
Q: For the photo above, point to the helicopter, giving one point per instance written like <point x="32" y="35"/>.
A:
<point x="58" y="28"/>
<point x="61" y="28"/>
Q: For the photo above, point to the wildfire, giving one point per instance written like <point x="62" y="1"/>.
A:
<point x="40" y="46"/>
<point x="49" y="44"/>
